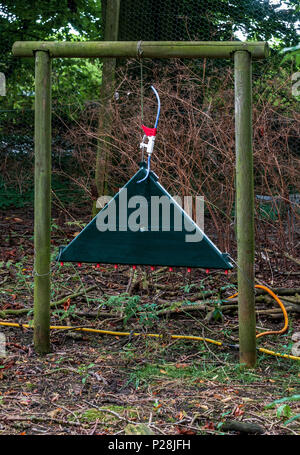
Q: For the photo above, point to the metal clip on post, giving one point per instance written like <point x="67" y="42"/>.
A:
<point x="150" y="134"/>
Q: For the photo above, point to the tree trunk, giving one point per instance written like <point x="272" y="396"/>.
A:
<point x="111" y="28"/>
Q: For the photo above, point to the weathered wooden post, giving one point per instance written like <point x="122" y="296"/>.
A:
<point x="42" y="201"/>
<point x="111" y="31"/>
<point x="245" y="207"/>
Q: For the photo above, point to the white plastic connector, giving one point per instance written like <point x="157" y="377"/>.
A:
<point x="149" y="145"/>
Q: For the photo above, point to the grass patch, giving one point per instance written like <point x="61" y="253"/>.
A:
<point x="105" y="416"/>
<point x="226" y="372"/>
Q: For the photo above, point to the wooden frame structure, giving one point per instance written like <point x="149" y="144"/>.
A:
<point x="243" y="53"/>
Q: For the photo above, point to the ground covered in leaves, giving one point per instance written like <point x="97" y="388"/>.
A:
<point x="98" y="384"/>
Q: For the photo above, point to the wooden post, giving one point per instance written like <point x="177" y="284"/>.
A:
<point x="42" y="201"/>
<point x="112" y="9"/>
<point x="245" y="207"/>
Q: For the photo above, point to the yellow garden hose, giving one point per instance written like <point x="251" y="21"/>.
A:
<point x="153" y="335"/>
<point x="177" y="337"/>
<point x="278" y="354"/>
<point x="109" y="332"/>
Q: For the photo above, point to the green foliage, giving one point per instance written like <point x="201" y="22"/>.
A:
<point x="282" y="400"/>
<point x="64" y="20"/>
<point x="296" y="417"/>
<point x="187" y="288"/>
<point x="147" y="314"/>
<point x="84" y="372"/>
<point x="284" y="411"/>
<point x="75" y="81"/>
<point x="64" y="314"/>
<point x="217" y="313"/>
<point x="130" y="306"/>
<point x="41" y="20"/>
<point x="291" y="53"/>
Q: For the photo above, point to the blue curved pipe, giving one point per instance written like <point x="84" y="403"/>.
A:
<point x="155" y="126"/>
<point x="148" y="171"/>
<point x="158" y="107"/>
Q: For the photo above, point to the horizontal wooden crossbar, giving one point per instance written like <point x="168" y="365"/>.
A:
<point x="145" y="49"/>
